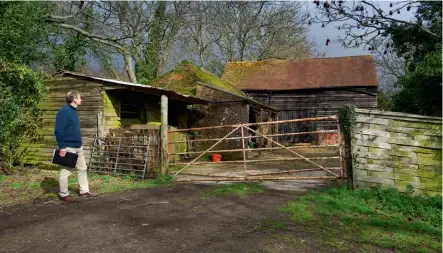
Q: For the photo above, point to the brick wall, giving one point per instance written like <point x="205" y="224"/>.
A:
<point x="396" y="149"/>
<point x="229" y="110"/>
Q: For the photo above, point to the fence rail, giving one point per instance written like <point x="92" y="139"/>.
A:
<point x="239" y="139"/>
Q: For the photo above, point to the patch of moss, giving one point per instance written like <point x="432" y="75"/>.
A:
<point x="211" y="79"/>
<point x="236" y="72"/>
<point x="183" y="79"/>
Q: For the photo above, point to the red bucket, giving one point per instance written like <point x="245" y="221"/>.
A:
<point x="216" y="158"/>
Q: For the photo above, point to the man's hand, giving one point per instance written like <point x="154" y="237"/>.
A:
<point x="62" y="152"/>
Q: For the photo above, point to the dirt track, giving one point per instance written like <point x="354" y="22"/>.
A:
<point x="143" y="221"/>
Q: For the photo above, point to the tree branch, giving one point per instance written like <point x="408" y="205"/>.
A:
<point x="402" y="21"/>
<point x="95" y="37"/>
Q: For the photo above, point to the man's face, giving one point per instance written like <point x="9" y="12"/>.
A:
<point x="78" y="100"/>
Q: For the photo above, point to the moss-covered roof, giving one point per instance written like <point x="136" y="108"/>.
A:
<point x="183" y="79"/>
<point x="349" y="71"/>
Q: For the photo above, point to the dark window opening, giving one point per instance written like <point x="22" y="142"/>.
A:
<point x="131" y="109"/>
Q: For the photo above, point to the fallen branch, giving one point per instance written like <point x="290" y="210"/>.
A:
<point x="153" y="203"/>
<point x="123" y="199"/>
<point x="256" y="228"/>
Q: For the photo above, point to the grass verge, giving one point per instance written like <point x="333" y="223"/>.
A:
<point x="41" y="186"/>
<point x="381" y="218"/>
<point x="236" y="189"/>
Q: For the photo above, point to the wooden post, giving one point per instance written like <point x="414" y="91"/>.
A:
<point x="164" y="135"/>
<point x="100" y="125"/>
<point x="244" y="150"/>
<point x="342" y="171"/>
<point x="100" y="135"/>
<point x="262" y="128"/>
<point x="275" y="130"/>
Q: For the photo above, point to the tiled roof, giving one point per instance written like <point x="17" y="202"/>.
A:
<point x="303" y="74"/>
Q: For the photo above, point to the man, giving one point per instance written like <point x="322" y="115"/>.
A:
<point x="69" y="139"/>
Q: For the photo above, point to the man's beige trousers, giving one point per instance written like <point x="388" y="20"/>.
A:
<point x="82" y="176"/>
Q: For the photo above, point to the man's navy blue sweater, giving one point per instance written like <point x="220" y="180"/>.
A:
<point x="67" y="128"/>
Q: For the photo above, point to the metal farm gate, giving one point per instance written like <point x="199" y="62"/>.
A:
<point x="127" y="153"/>
<point x="258" y="151"/>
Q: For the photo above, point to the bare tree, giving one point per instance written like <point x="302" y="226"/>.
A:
<point x="106" y="29"/>
<point x="145" y="33"/>
<point x="390" y="68"/>
<point x="171" y="23"/>
<point x="365" y="23"/>
<point x="262" y="30"/>
<point x="198" y="32"/>
<point x="141" y="31"/>
<point x="216" y="32"/>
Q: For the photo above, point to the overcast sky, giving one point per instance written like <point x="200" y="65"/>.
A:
<point x="319" y="34"/>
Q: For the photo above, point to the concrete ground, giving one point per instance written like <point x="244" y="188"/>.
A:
<point x="280" y="163"/>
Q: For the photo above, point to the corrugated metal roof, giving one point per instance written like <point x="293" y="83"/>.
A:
<point x="142" y="87"/>
<point x="352" y="71"/>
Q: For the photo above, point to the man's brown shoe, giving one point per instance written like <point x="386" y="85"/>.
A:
<point x="67" y="199"/>
<point x="88" y="194"/>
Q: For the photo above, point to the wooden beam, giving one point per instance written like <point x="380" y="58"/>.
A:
<point x="164" y="135"/>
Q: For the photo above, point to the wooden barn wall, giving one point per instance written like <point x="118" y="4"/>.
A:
<point x="314" y="103"/>
<point x="112" y="101"/>
<point x="149" y="110"/>
<point x="111" y="111"/>
<point x="92" y="105"/>
<point x="99" y="112"/>
<point x="149" y="118"/>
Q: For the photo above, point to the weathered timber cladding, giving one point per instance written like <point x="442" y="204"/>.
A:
<point x="396" y="150"/>
<point x="325" y="100"/>
<point x="293" y="104"/>
<point x="297" y="126"/>
<point x="92" y="104"/>
<point x="105" y="106"/>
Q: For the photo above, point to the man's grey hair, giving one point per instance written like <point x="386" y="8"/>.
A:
<point x="71" y="95"/>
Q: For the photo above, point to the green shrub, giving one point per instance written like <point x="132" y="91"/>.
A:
<point x="22" y="89"/>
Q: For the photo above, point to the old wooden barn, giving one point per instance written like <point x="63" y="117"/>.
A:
<point x="108" y="105"/>
<point x="116" y="109"/>
<point x="308" y="88"/>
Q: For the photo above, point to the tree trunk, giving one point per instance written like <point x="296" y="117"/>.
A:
<point x="154" y="46"/>
<point x="130" y="68"/>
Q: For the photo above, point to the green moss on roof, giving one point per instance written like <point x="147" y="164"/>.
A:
<point x="236" y="72"/>
<point x="310" y="73"/>
<point x="183" y="79"/>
